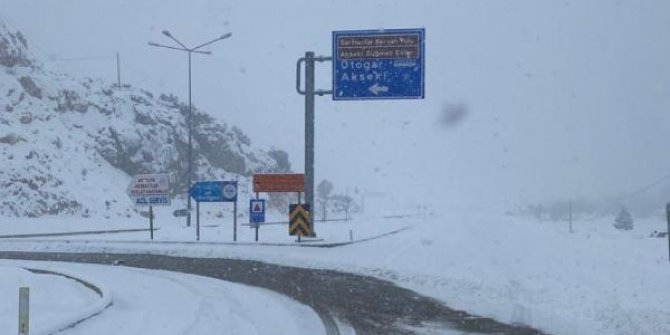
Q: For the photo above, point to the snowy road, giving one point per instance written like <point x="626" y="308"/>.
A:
<point x="170" y="303"/>
<point x="369" y="305"/>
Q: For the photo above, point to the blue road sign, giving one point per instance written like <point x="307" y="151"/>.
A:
<point x="378" y="64"/>
<point x="229" y="191"/>
<point x="256" y="212"/>
<point x="207" y="191"/>
<point x="152" y="200"/>
<point x="214" y="191"/>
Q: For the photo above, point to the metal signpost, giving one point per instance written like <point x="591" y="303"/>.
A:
<point x="214" y="191"/>
<point x="150" y="190"/>
<point x="668" y="234"/>
<point x="367" y="65"/>
<point x="256" y="214"/>
<point x="378" y="64"/>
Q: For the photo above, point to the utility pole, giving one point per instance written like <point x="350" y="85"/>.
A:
<point x="118" y="70"/>
<point x="667" y="209"/>
<point x="570" y="217"/>
<point x="189" y="120"/>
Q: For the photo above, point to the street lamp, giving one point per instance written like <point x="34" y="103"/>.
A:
<point x="190" y="51"/>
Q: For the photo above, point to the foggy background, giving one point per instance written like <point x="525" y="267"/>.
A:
<point x="526" y="101"/>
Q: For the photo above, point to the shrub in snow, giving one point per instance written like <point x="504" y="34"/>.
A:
<point x="623" y="221"/>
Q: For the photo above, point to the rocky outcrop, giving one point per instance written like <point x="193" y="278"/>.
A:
<point x="69" y="146"/>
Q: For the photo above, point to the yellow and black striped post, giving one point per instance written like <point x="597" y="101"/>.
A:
<point x="299" y="220"/>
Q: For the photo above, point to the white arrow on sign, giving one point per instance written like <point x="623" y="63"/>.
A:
<point x="376" y="89"/>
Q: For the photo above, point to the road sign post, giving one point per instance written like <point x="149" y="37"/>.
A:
<point x="235" y="221"/>
<point x="668" y="234"/>
<point x="256" y="214"/>
<point x="150" y="190"/>
<point x="367" y="64"/>
<point x="197" y="220"/>
<point x="215" y="191"/>
<point x="309" y="93"/>
<point x="151" y="222"/>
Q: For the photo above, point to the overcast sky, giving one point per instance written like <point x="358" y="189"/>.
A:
<point x="561" y="98"/>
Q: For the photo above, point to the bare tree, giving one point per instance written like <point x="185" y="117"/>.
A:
<point x="343" y="203"/>
<point x="323" y="191"/>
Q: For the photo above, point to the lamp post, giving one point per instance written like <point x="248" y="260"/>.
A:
<point x="189" y="51"/>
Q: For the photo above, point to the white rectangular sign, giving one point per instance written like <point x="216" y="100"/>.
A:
<point x="150" y="189"/>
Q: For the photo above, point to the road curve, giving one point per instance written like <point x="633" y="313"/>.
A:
<point x="369" y="305"/>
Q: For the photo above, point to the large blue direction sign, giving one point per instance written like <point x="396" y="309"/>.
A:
<point x="378" y="64"/>
<point x="214" y="191"/>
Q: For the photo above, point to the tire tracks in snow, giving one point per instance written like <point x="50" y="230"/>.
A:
<point x="370" y="305"/>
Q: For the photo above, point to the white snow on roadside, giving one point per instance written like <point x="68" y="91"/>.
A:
<point x="163" y="302"/>
<point x="596" y="280"/>
<point x="54" y="300"/>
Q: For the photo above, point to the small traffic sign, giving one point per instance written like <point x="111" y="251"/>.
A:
<point x="378" y="64"/>
<point x="229" y="191"/>
<point x="298" y="220"/>
<point x="150" y="189"/>
<point x="214" y="191"/>
<point x="256" y="212"/>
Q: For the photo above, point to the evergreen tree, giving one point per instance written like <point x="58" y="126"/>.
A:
<point x="623" y="221"/>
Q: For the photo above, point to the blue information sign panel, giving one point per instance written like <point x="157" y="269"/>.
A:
<point x="229" y="191"/>
<point x="256" y="212"/>
<point x="378" y="64"/>
<point x="214" y="191"/>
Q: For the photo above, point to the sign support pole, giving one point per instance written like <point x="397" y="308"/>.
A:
<point x="309" y="131"/>
<point x="151" y="221"/>
<point x="668" y="214"/>
<point x="257" y="224"/>
<point x="235" y="222"/>
<point x="309" y="94"/>
<point x="197" y="220"/>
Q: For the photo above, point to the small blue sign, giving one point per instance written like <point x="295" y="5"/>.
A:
<point x="229" y="191"/>
<point x="256" y="212"/>
<point x="214" y="191"/>
<point x="152" y="200"/>
<point x="378" y="64"/>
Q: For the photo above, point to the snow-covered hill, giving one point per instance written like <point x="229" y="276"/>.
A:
<point x="69" y="146"/>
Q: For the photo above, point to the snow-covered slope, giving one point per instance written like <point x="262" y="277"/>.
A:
<point x="69" y="146"/>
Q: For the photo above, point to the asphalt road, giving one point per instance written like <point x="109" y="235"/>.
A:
<point x="368" y="304"/>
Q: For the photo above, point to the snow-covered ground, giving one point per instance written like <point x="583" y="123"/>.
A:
<point x="596" y="280"/>
<point x="149" y="302"/>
